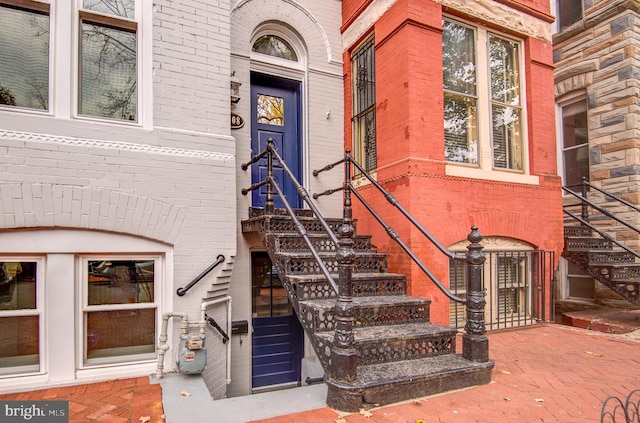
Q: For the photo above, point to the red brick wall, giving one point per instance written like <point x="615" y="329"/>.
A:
<point x="410" y="142"/>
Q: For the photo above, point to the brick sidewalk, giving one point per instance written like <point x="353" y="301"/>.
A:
<point x="118" y="401"/>
<point x="548" y="373"/>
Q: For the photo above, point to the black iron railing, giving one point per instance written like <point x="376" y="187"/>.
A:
<point x="474" y="341"/>
<point x="182" y="291"/>
<point x="343" y="354"/>
<point x="614" y="410"/>
<point x="519" y="287"/>
<point x="587" y="205"/>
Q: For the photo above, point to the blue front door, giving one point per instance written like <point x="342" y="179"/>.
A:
<point x="277" y="335"/>
<point x="275" y="111"/>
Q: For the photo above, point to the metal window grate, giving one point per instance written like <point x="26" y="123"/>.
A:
<point x="364" y="104"/>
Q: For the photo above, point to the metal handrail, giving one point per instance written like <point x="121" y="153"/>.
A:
<point x="392" y="233"/>
<point x="302" y="192"/>
<point x="586" y="202"/>
<point x="182" y="291"/>
<point x="601" y="233"/>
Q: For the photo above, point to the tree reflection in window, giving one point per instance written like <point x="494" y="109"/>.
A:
<point x="24" y="56"/>
<point x="273" y="45"/>
<point x="108" y="50"/>
<point x="270" y="110"/>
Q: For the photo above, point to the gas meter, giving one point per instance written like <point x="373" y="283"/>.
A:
<point x="192" y="355"/>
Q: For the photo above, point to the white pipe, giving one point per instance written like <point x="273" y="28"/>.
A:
<point x="162" y="342"/>
<point x="203" y="308"/>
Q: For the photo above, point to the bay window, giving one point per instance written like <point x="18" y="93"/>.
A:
<point x="483" y="112"/>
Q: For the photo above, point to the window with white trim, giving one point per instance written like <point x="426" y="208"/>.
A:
<point x="24" y="56"/>
<point x="107" y="72"/>
<point x="108" y="59"/>
<point x="575" y="143"/>
<point x="483" y="102"/>
<point x="119" y="311"/>
<point x="21" y="320"/>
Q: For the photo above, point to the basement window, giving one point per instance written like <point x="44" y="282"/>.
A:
<point x="120" y="306"/>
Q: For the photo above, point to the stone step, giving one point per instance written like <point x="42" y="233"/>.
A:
<point x="610" y="257"/>
<point x="386" y="383"/>
<point x="284" y="224"/>
<point x="288" y="242"/>
<point x="390" y="343"/>
<point x="314" y="287"/>
<point x="305" y="263"/>
<point x="587" y="244"/>
<point x="578" y="231"/>
<point x="368" y="311"/>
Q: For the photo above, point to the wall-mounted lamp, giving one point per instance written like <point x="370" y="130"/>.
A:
<point x="235" y="88"/>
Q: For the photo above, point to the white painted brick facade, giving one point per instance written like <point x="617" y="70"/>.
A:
<point x="174" y="179"/>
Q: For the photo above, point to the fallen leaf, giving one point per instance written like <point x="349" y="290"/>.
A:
<point x="593" y="354"/>
<point x="506" y="399"/>
<point x="417" y="402"/>
<point x="144" y="419"/>
<point x="340" y="420"/>
<point x="539" y="400"/>
<point x="365" y="413"/>
<point x="506" y="372"/>
<point x="185" y="394"/>
<point x="420" y="421"/>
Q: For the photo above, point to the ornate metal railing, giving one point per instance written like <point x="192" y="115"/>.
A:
<point x="182" y="291"/>
<point x="614" y="410"/>
<point x="475" y="344"/>
<point x="586" y="205"/>
<point x="519" y="287"/>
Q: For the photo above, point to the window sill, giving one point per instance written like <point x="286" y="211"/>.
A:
<point x="475" y="173"/>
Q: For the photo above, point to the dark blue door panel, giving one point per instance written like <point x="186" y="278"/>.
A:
<point x="277" y="350"/>
<point x="286" y="134"/>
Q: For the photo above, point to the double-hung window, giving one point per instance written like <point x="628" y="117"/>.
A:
<point x="34" y="55"/>
<point x="120" y="306"/>
<point x="108" y="59"/>
<point x="483" y="104"/>
<point x="24" y="54"/>
<point x="363" y="76"/>
<point x="569" y="12"/>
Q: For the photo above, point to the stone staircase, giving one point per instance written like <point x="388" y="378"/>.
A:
<point x="613" y="267"/>
<point x="400" y="354"/>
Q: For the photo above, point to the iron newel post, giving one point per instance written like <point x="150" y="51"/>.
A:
<point x="475" y="344"/>
<point x="268" y="203"/>
<point x="343" y="353"/>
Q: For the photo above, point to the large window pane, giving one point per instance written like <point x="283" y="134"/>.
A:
<point x="507" y="138"/>
<point x="120" y="282"/>
<point x="108" y="72"/>
<point x="19" y="344"/>
<point x="17" y="285"/>
<point x="575" y="138"/>
<point x="120" y="333"/>
<point x="460" y="129"/>
<point x="504" y="64"/>
<point x="458" y="58"/>
<point x="505" y="96"/>
<point x="24" y="58"/>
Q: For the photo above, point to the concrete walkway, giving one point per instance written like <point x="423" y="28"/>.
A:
<point x="545" y="373"/>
